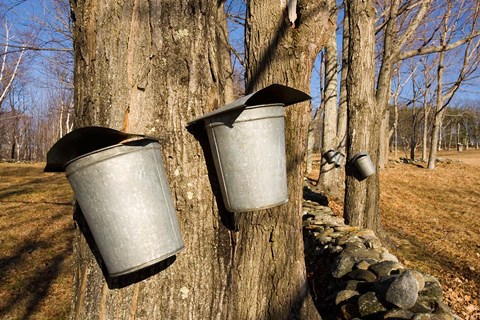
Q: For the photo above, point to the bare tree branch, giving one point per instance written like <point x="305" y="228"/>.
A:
<point x="439" y="48"/>
<point x="13" y="74"/>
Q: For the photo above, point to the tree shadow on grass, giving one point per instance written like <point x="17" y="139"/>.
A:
<point x="31" y="288"/>
<point x="40" y="283"/>
<point x="16" y="189"/>
<point x="423" y="253"/>
<point x="59" y="215"/>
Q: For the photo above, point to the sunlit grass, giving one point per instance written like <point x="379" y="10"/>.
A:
<point x="432" y="216"/>
<point x="36" y="230"/>
<point x="434" y="219"/>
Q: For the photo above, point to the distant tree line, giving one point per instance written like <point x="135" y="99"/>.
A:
<point x="460" y="130"/>
<point x="36" y="104"/>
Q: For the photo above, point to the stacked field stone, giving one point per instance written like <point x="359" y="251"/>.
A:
<point x="353" y="276"/>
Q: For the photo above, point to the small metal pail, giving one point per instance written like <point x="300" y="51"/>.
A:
<point x="364" y="164"/>
<point x="124" y="196"/>
<point x="248" y="148"/>
<point x="329" y="156"/>
<point x="339" y="159"/>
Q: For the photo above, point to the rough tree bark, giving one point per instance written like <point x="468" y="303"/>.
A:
<point x="364" y="114"/>
<point x="282" y="50"/>
<point x="384" y="139"/>
<point x="470" y="64"/>
<point x="331" y="180"/>
<point x="415" y="116"/>
<point x="314" y="136"/>
<point x="361" y="205"/>
<point x="428" y="79"/>
<point x="161" y="63"/>
<point x="426" y="111"/>
<point x="342" y="108"/>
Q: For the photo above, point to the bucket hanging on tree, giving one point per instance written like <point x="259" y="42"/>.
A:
<point x="122" y="189"/>
<point x="247" y="141"/>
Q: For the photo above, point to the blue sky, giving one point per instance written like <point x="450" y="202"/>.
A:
<point x="21" y="15"/>
<point x="469" y="91"/>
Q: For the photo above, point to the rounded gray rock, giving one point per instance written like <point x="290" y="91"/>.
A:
<point x="343" y="264"/>
<point x="385" y="268"/>
<point x="360" y="274"/>
<point x="387" y="256"/>
<point x="420" y="279"/>
<point x="422" y="316"/>
<point x="403" y="292"/>
<point x="345" y="295"/>
<point x="398" y="314"/>
<point x="368" y="304"/>
<point x="432" y="289"/>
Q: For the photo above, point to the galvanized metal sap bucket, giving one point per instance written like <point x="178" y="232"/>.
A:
<point x="123" y="192"/>
<point x="247" y="140"/>
<point x="364" y="164"/>
<point x="329" y="156"/>
<point x="249" y="157"/>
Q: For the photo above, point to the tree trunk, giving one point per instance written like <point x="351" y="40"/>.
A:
<point x="440" y="135"/>
<point x="330" y="179"/>
<point x="395" y="132"/>
<point x="450" y="139"/>
<point x="163" y="64"/>
<point x="281" y="51"/>
<point x="342" y="108"/>
<point x="467" y="138"/>
<point x="439" y="108"/>
<point x="13" y="149"/>
<point x="384" y="139"/>
<point x="364" y="115"/>
<point x="160" y="63"/>
<point x="458" y="137"/>
<point x="413" y="137"/>
<point x="425" y="131"/>
<point x="313" y="139"/>
<point x="434" y="140"/>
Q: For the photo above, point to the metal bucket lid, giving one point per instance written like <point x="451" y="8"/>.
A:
<point x="137" y="141"/>
<point x="258" y="112"/>
<point x="275" y="93"/>
<point x="358" y="156"/>
<point x="83" y="141"/>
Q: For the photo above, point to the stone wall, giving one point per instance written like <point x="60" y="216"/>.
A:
<point x="353" y="276"/>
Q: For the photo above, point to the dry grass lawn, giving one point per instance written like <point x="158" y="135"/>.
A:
<point x="433" y="217"/>
<point x="36" y="231"/>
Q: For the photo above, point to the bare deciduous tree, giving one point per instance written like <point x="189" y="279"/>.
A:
<point x="469" y="65"/>
<point x="399" y="22"/>
<point x="331" y="178"/>
<point x="10" y="63"/>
